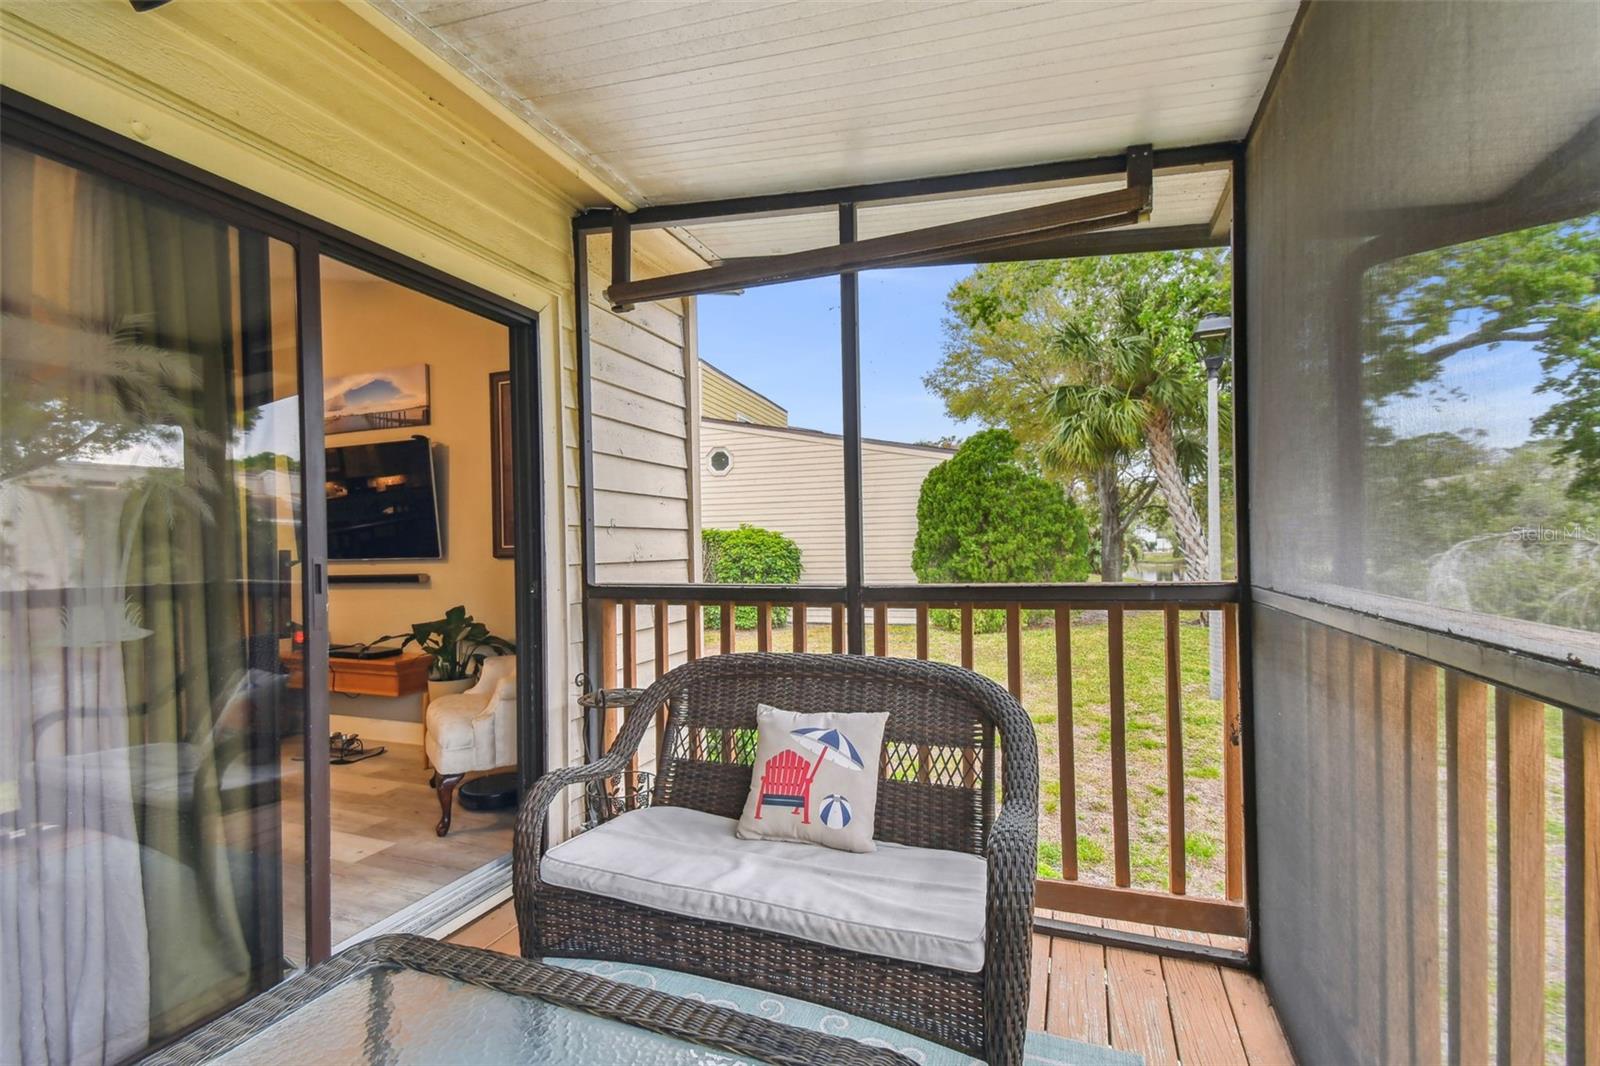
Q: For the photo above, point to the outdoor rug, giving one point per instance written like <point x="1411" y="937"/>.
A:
<point x="1043" y="1049"/>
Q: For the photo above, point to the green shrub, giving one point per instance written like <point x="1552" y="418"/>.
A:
<point x="984" y="517"/>
<point x="749" y="555"/>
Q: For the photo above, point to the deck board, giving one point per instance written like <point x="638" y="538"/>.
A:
<point x="1168" y="1010"/>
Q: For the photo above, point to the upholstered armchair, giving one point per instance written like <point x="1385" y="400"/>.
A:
<point x="471" y="731"/>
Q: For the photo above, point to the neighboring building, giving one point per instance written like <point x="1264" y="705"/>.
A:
<point x="792" y="480"/>
<point x="725" y="397"/>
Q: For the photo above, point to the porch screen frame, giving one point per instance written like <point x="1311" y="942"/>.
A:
<point x="856" y="592"/>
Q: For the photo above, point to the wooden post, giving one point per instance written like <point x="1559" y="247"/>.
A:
<point x="663" y="664"/>
<point x="1581" y="755"/>
<point x="727" y="628"/>
<point x="1519" y="824"/>
<point x="1119" y="749"/>
<point x="630" y="679"/>
<point x="797" y="622"/>
<point x="880" y="629"/>
<point x="1177" y="860"/>
<point x="1232" y="755"/>
<point x="838" y="629"/>
<point x="924" y="755"/>
<point x="1422" y="855"/>
<point x="1466" y="709"/>
<point x="763" y="627"/>
<point x="608" y="669"/>
<point x="1064" y="745"/>
<point x="1014" y="650"/>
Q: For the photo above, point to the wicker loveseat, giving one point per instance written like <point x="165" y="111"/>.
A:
<point x="937" y="791"/>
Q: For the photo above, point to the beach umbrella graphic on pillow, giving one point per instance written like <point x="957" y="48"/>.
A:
<point x="830" y="746"/>
<point x="835" y="811"/>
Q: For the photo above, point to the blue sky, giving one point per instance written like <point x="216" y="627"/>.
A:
<point x="783" y="341"/>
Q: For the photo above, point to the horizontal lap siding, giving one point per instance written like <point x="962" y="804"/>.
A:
<point x="794" y="483"/>
<point x="640" y="440"/>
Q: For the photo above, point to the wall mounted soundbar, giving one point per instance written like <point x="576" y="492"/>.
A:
<point x="377" y="579"/>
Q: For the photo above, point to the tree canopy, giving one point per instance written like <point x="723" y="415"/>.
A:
<point x="1091" y="364"/>
<point x="982" y="516"/>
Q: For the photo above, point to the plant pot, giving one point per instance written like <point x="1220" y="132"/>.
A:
<point x="447" y="688"/>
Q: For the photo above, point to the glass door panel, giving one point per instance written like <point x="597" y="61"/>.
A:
<point x="151" y="556"/>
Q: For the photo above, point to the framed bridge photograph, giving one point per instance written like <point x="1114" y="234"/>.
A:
<point x="383" y="399"/>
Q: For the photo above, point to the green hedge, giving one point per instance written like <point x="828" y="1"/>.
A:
<point x="982" y="516"/>
<point x="749" y="555"/>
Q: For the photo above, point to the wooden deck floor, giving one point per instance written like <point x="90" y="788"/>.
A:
<point x="1168" y="1010"/>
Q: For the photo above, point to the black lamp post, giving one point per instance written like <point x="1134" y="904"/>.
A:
<point x="1213" y="334"/>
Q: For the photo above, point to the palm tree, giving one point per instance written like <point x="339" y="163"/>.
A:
<point x="1132" y="390"/>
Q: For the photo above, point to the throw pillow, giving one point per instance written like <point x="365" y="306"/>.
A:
<point x="815" y="778"/>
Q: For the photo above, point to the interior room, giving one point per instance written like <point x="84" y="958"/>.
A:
<point x="409" y="382"/>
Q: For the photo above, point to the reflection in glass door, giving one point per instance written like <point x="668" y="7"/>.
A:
<point x="151" y="556"/>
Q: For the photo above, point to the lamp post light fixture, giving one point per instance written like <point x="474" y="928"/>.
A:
<point x="1214" y="334"/>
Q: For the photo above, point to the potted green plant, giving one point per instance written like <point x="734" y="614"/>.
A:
<point x="458" y="644"/>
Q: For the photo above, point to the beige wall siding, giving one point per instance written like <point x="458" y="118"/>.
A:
<point x="793" y="481"/>
<point x="731" y="400"/>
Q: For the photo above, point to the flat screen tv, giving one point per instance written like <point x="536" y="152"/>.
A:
<point x="381" y="501"/>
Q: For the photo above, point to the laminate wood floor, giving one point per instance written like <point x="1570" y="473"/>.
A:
<point x="1168" y="1010"/>
<point x="384" y="851"/>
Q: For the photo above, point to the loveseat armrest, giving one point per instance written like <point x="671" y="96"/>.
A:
<point x="533" y="816"/>
<point x="1012" y="856"/>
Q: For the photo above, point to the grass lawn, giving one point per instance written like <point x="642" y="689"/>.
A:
<point x="1145" y="687"/>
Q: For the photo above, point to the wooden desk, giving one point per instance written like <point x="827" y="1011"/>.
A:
<point x="398" y="675"/>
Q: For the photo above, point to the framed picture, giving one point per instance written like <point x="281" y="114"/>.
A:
<point x="501" y="491"/>
<point x="384" y="399"/>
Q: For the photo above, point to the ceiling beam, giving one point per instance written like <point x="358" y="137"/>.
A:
<point x="970" y="236"/>
<point x="1084" y="245"/>
<point x="1105" y="166"/>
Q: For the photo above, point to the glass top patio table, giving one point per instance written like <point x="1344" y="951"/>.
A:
<point x="407" y="999"/>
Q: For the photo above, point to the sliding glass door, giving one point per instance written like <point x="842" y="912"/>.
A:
<point x="152" y="563"/>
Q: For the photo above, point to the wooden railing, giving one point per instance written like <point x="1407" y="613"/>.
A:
<point x="1442" y="834"/>
<point x="1041" y="659"/>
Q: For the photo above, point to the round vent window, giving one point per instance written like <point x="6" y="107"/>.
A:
<point x="720" y="460"/>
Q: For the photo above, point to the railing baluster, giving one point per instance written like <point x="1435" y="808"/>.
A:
<point x="1466" y="708"/>
<point x="924" y="756"/>
<point x="969" y="766"/>
<point x="1390" y="725"/>
<point x="797" y="622"/>
<point x="838" y="629"/>
<point x="1581" y="755"/>
<point x="763" y="627"/>
<point x="1014" y="650"/>
<point x="663" y="634"/>
<point x="1232" y="756"/>
<point x="1422" y="852"/>
<point x="1519" y="824"/>
<point x="1064" y="745"/>
<point x="1119" y="749"/>
<point x="694" y="618"/>
<point x="1177" y="860"/>
<point x="630" y="679"/>
<point x="630" y="645"/>
<point x="608" y="669"/>
<point x="727" y="628"/>
<point x="880" y="629"/>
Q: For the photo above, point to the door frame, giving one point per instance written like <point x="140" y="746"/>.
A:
<point x="49" y="131"/>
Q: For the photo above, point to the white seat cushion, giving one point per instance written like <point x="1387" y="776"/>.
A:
<point x="914" y="904"/>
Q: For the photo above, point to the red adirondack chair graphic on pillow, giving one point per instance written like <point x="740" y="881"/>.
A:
<point x="786" y="779"/>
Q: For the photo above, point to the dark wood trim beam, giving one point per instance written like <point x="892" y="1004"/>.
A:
<point x="976" y="181"/>
<point x="621" y="253"/>
<point x="1099" y="210"/>
<point x="1153" y="595"/>
<point x="1084" y="245"/>
<point x="1222" y="917"/>
<point x="1154" y="945"/>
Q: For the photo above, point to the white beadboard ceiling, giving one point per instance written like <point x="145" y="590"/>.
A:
<point x="680" y="101"/>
